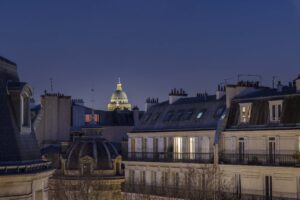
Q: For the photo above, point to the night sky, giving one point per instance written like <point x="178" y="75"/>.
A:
<point x="153" y="45"/>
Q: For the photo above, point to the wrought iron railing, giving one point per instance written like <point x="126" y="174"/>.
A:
<point x="184" y="192"/>
<point x="264" y="159"/>
<point x="170" y="157"/>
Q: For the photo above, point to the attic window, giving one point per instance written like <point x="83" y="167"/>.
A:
<point x="178" y="115"/>
<point x="275" y="108"/>
<point x="147" y="117"/>
<point x="168" y="116"/>
<point x="25" y="111"/>
<point x="219" y="111"/>
<point x="245" y="112"/>
<point x="188" y="115"/>
<point x="155" y="118"/>
<point x="200" y="114"/>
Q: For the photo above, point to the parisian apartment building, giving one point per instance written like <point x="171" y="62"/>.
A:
<point x="241" y="143"/>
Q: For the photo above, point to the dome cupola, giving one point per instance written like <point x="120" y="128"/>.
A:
<point x="119" y="100"/>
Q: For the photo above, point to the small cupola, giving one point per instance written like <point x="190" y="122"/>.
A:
<point x="176" y="94"/>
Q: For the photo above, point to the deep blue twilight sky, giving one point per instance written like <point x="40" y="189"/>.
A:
<point x="153" y="45"/>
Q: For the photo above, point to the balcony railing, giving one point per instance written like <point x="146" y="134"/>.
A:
<point x="185" y="192"/>
<point x="258" y="159"/>
<point x="170" y="157"/>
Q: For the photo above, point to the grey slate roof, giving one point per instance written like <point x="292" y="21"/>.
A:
<point x="182" y="115"/>
<point x="260" y="114"/>
<point x="15" y="148"/>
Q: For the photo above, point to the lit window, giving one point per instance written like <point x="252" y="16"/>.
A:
<point x="245" y="112"/>
<point x="200" y="114"/>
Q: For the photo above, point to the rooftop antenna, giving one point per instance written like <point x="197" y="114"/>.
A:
<point x="93" y="111"/>
<point x="51" y="85"/>
<point x="273" y="81"/>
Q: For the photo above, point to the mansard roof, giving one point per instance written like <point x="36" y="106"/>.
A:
<point x="186" y="114"/>
<point x="260" y="111"/>
<point x="15" y="147"/>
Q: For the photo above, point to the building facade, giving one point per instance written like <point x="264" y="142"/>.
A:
<point x="54" y="119"/>
<point x="242" y="143"/>
<point x="23" y="173"/>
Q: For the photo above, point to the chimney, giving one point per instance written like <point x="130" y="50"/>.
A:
<point x="298" y="83"/>
<point x="242" y="88"/>
<point x="150" y="102"/>
<point x="175" y="94"/>
<point x="220" y="92"/>
<point x="136" y="115"/>
<point x="279" y="86"/>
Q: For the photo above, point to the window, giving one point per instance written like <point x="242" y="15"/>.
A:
<point x="155" y="117"/>
<point x="245" y="112"/>
<point x="268" y="188"/>
<point x="188" y="115"/>
<point x="143" y="177"/>
<point x="168" y="116"/>
<point x="89" y="118"/>
<point x="219" y="112"/>
<point x="25" y="111"/>
<point x="178" y="147"/>
<point x="153" y="178"/>
<point x="178" y="115"/>
<point x="131" y="176"/>
<point x="147" y="117"/>
<point x="200" y="114"/>
<point x="275" y="110"/>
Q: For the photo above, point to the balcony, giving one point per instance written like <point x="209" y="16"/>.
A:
<point x="169" y="192"/>
<point x="170" y="157"/>
<point x="188" y="192"/>
<point x="263" y="159"/>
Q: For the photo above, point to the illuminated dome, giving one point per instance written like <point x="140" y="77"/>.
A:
<point x="119" y="100"/>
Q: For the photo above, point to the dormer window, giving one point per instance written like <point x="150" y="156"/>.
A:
<point x="245" y="112"/>
<point x="275" y="108"/>
<point x="25" y="117"/>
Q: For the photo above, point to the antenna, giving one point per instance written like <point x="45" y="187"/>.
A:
<point x="51" y="84"/>
<point x="92" y="100"/>
<point x="119" y="80"/>
<point x="273" y="81"/>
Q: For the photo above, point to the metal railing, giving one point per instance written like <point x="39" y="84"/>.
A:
<point x="19" y="168"/>
<point x="183" y="192"/>
<point x="263" y="159"/>
<point x="170" y="157"/>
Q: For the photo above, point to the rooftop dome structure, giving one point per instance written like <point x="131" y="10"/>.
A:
<point x="89" y="154"/>
<point x="119" y="100"/>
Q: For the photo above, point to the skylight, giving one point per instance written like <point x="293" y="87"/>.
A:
<point x="200" y="114"/>
<point x="168" y="116"/>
